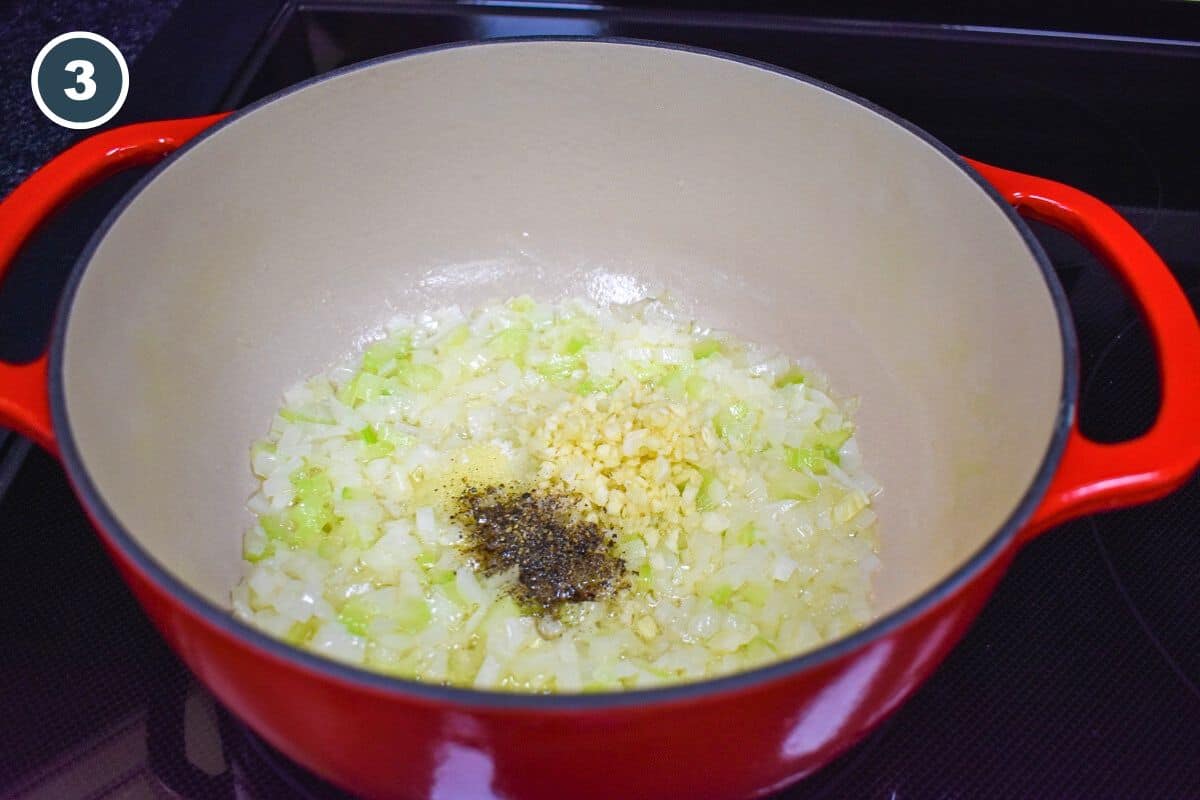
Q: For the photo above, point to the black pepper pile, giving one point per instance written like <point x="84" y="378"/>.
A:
<point x="559" y="557"/>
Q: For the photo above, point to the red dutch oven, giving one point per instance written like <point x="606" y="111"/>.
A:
<point x="779" y="207"/>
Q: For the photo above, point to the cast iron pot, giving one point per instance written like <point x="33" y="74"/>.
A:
<point x="776" y="206"/>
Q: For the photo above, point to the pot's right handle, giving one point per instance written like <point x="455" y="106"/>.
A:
<point x="24" y="397"/>
<point x="1093" y="476"/>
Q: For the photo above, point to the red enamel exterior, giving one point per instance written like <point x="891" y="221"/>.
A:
<point x="384" y="741"/>
<point x="1092" y="476"/>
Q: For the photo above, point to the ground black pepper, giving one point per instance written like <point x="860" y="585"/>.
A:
<point x="559" y="557"/>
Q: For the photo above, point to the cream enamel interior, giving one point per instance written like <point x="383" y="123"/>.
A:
<point x="774" y="208"/>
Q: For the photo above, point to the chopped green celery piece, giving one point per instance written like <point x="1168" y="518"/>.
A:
<point x="522" y="304"/>
<point x="411" y="615"/>
<point x="734" y="425"/>
<point x="575" y="343"/>
<point x="426" y="559"/>
<point x="786" y="484"/>
<point x="696" y="387"/>
<point x="560" y="368"/>
<point x="704" y="498"/>
<point x="302" y="632"/>
<point x="396" y="346"/>
<point x="307" y="523"/>
<point x="421" y="377"/>
<point x="790" y="377"/>
<point x="440" y="576"/>
<point x="649" y="373"/>
<point x="368" y="435"/>
<point x="371" y="452"/>
<point x="349" y="493"/>
<point x="363" y="388"/>
<point x="311" y="484"/>
<point x="754" y="593"/>
<point x="645" y="572"/>
<point x="745" y="535"/>
<point x="589" y="386"/>
<point x="356" y="615"/>
<point x="831" y="441"/>
<point x="449" y="589"/>
<point x="675" y="379"/>
<point x="720" y="596"/>
<point x="510" y="343"/>
<point x="808" y="459"/>
<point x="292" y="415"/>
<point x="705" y="348"/>
<point x="849" y="506"/>
<point x="274" y="527"/>
<point x="760" y="649"/>
<point x="311" y="511"/>
<point x="457" y="337"/>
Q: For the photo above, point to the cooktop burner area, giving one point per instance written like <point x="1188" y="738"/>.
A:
<point x="1081" y="678"/>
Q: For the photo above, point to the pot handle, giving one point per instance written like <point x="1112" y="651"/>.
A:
<point x="24" y="394"/>
<point x="1093" y="476"/>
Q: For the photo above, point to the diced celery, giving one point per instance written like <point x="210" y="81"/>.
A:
<point x="745" y="535"/>
<point x="302" y="632"/>
<point x="849" y="506"/>
<point x="420" y="377"/>
<point x="426" y="559"/>
<point x="365" y="387"/>
<point x="806" y="459"/>
<point x="645" y="572"/>
<point x="274" y="527"/>
<point x="457" y="337"/>
<point x="440" y="576"/>
<point x="696" y="387"/>
<point x="576" y="342"/>
<point x="761" y="649"/>
<point x="674" y="380"/>
<point x="293" y="415"/>
<point x="311" y="511"/>
<point x="705" y="500"/>
<point x="755" y="594"/>
<point x="831" y="441"/>
<point x="371" y="452"/>
<point x="790" y="377"/>
<point x="411" y="615"/>
<point x="705" y="348"/>
<point x="510" y="343"/>
<point x="649" y="373"/>
<point x="734" y="425"/>
<point x="356" y="615"/>
<point x="559" y="368"/>
<point x="590" y="386"/>
<point x="376" y="357"/>
<point x="786" y="484"/>
<point x="720" y="596"/>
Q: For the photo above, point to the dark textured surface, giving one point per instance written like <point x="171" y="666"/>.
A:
<point x="29" y="138"/>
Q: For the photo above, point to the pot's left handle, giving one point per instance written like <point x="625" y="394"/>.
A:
<point x="24" y="396"/>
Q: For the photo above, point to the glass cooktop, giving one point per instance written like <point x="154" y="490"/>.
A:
<point x="1081" y="677"/>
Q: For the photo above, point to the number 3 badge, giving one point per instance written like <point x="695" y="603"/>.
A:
<point x="80" y="80"/>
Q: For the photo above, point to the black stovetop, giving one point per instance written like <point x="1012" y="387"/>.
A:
<point x="1081" y="677"/>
